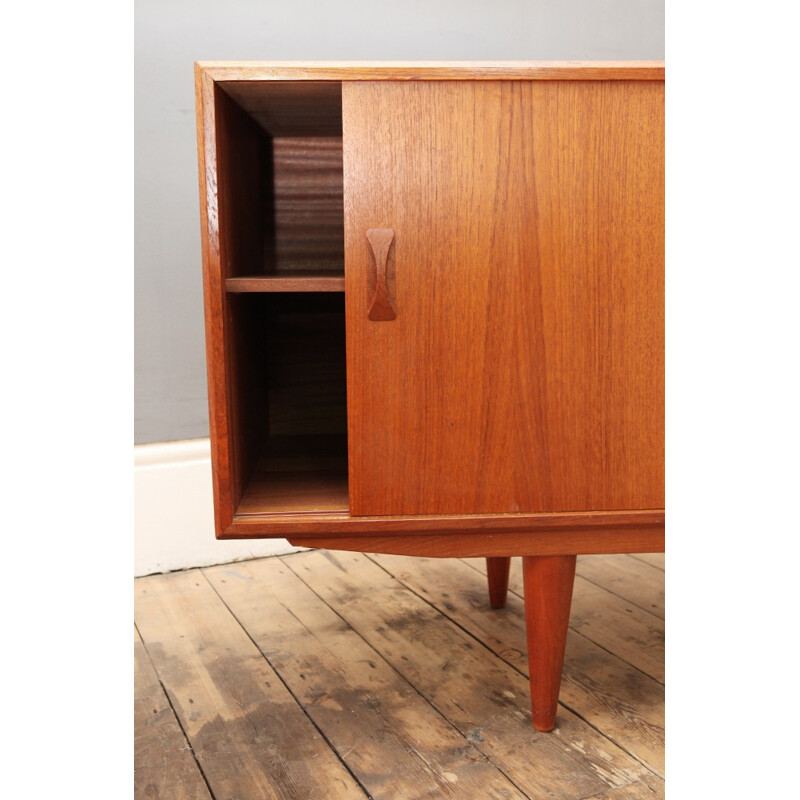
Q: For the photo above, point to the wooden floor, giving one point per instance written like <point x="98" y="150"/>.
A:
<point x="338" y="675"/>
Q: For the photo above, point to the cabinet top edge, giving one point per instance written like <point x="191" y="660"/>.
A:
<point x="221" y="71"/>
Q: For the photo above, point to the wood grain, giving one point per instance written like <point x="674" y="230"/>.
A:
<point x="213" y="301"/>
<point x="628" y="578"/>
<point x="608" y="691"/>
<point x="482" y="696"/>
<point x="500" y="535"/>
<point x="395" y="743"/>
<point x="303" y="205"/>
<point x="548" y="594"/>
<point x="296" y="109"/>
<point x="327" y="664"/>
<point x="497" y="570"/>
<point x="466" y="545"/>
<point x="293" y="414"/>
<point x="650" y="788"/>
<point x="530" y="377"/>
<point x="379" y="305"/>
<point x="288" y="281"/>
<point x="299" y="475"/>
<point x="637" y="635"/>
<point x="602" y="688"/>
<point x="235" y="710"/>
<point x="432" y="70"/>
<point x="285" y="491"/>
<point x="219" y="133"/>
<point x="253" y="194"/>
<point x="515" y="404"/>
<point x="654" y="559"/>
<point x="163" y="765"/>
<point x="599" y="175"/>
<point x="240" y="154"/>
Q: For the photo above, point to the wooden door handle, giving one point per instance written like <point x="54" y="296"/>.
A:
<point x="380" y="304"/>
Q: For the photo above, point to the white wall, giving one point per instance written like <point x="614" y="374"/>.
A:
<point x="172" y="34"/>
<point x="174" y="515"/>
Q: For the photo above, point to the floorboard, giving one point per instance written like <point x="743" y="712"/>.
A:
<point x="163" y="765"/>
<point x="627" y="578"/>
<point x="607" y="619"/>
<point x="626" y="704"/>
<point x="250" y="736"/>
<point x="654" y="559"/>
<point x="481" y="695"/>
<point x="389" y="735"/>
<point x="341" y="675"/>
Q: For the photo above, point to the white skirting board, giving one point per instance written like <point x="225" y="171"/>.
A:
<point x="174" y="515"/>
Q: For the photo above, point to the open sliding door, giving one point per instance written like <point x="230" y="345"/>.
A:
<point x="505" y="316"/>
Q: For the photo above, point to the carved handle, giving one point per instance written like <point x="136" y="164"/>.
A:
<point x="380" y="306"/>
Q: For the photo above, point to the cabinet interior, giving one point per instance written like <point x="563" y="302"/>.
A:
<point x="281" y="222"/>
<point x="284" y="173"/>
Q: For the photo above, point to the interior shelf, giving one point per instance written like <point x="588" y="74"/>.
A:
<point x="299" y="475"/>
<point x="288" y="281"/>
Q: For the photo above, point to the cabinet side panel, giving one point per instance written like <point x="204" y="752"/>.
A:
<point x="230" y="152"/>
<point x="214" y="301"/>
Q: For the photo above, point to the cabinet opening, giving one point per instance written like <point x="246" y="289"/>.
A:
<point x="291" y="421"/>
<point x="282" y="147"/>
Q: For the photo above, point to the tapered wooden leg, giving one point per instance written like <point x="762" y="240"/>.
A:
<point x="548" y="593"/>
<point x="497" y="569"/>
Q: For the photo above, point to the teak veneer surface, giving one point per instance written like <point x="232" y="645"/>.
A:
<point x="300" y="485"/>
<point x="307" y="108"/>
<point x="562" y="121"/>
<point x="469" y="535"/>
<point x="287" y="281"/>
<point x="225" y="71"/>
<point x="524" y="369"/>
<point x="303" y="205"/>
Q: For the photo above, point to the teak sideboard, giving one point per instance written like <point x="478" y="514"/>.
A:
<point x="434" y="304"/>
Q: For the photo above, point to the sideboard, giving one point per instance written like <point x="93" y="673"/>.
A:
<point x="434" y="306"/>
